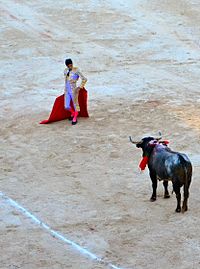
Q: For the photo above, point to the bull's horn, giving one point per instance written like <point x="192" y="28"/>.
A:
<point x="134" y="142"/>
<point x="160" y="136"/>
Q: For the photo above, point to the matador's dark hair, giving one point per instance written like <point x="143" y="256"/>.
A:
<point x="68" y="61"/>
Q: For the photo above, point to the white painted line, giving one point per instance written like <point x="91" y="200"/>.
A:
<point x="56" y="234"/>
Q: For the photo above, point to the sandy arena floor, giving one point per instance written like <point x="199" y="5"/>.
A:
<point x="142" y="65"/>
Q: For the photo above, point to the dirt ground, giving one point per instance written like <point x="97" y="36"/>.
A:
<point x="142" y="65"/>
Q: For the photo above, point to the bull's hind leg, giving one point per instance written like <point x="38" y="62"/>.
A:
<point x="166" y="193"/>
<point x="154" y="185"/>
<point x="176" y="188"/>
<point x="186" y="195"/>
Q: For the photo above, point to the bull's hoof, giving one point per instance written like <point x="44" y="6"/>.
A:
<point x="153" y="199"/>
<point x="166" y="196"/>
<point x="178" y="210"/>
<point x="184" y="209"/>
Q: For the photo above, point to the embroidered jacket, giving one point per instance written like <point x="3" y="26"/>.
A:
<point x="72" y="77"/>
<point x="71" y="89"/>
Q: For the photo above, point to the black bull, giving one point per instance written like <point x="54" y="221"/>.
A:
<point x="165" y="164"/>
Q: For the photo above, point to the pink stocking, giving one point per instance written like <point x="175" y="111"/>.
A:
<point x="74" y="121"/>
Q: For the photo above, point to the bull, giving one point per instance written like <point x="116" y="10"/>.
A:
<point x="165" y="164"/>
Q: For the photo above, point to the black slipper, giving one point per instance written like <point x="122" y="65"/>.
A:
<point x="74" y="122"/>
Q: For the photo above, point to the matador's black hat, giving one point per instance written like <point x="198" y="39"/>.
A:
<point x="68" y="61"/>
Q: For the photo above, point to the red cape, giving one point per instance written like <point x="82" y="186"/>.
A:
<point x="60" y="113"/>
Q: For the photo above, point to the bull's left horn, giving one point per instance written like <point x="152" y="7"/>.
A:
<point x="134" y="142"/>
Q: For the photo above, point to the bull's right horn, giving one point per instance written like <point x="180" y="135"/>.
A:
<point x="134" y="142"/>
<point x="160" y="136"/>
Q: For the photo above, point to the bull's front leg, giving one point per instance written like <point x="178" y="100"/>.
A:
<point x="154" y="185"/>
<point x="166" y="193"/>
